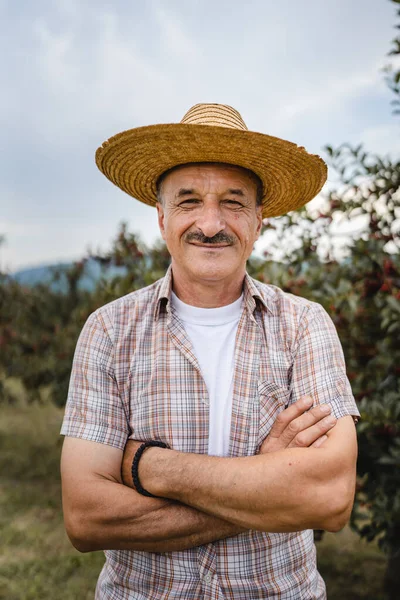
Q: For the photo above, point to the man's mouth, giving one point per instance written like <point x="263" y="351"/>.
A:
<point x="202" y="245"/>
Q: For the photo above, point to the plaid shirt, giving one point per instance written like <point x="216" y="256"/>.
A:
<point x="135" y="375"/>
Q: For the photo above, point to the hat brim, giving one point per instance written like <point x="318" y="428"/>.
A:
<point x="135" y="159"/>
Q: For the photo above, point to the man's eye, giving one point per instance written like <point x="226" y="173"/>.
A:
<point x="189" y="201"/>
<point x="234" y="203"/>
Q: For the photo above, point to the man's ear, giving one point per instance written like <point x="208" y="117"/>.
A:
<point x="160" y="213"/>
<point x="259" y="221"/>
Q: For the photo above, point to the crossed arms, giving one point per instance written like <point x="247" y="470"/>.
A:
<point x="303" y="477"/>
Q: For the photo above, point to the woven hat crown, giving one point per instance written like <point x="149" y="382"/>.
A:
<point x="217" y="115"/>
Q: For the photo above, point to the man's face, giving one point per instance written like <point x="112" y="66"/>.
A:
<point x="209" y="221"/>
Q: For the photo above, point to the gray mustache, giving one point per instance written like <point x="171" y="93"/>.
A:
<point x="218" y="238"/>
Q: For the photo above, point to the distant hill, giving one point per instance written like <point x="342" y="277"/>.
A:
<point x="45" y="274"/>
<point x="40" y="274"/>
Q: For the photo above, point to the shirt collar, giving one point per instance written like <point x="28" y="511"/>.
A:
<point x="164" y="293"/>
<point x="252" y="290"/>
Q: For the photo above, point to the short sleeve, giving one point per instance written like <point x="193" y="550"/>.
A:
<point x="319" y="368"/>
<point x="94" y="409"/>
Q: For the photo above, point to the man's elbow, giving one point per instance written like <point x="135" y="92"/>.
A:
<point x="82" y="545"/>
<point x="79" y="534"/>
<point x="336" y="522"/>
<point x="339" y="507"/>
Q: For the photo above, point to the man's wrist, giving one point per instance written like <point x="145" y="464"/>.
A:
<point x="152" y="470"/>
<point x="135" y="465"/>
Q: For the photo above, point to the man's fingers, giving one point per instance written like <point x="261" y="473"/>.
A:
<point x="319" y="441"/>
<point x="297" y="418"/>
<point x="290" y="414"/>
<point x="299" y="425"/>
<point x="308" y="437"/>
<point x="306" y="420"/>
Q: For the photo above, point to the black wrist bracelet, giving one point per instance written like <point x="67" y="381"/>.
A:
<point x="135" y="466"/>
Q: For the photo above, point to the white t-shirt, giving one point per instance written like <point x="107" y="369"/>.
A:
<point x="212" y="332"/>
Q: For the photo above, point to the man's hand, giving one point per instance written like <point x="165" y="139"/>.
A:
<point x="299" y="427"/>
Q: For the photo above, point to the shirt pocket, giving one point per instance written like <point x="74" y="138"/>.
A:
<point x="273" y="399"/>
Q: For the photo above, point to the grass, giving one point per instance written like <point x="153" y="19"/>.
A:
<point x="351" y="568"/>
<point x="37" y="560"/>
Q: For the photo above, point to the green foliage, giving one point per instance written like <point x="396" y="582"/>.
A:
<point x="143" y="265"/>
<point x="38" y="332"/>
<point x="40" y="325"/>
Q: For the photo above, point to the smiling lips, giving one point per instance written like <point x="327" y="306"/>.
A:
<point x="211" y="246"/>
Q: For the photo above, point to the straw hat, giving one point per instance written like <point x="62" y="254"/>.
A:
<point x="135" y="159"/>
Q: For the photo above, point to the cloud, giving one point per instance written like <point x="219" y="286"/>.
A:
<point x="174" y="38"/>
<point x="332" y="95"/>
<point x="383" y="139"/>
<point x="113" y="82"/>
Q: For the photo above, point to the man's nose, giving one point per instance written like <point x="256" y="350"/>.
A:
<point x="211" y="220"/>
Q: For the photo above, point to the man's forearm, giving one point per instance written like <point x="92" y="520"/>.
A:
<point x="121" y="519"/>
<point x="290" y="490"/>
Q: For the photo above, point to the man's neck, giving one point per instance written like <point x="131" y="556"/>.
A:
<point x="207" y="294"/>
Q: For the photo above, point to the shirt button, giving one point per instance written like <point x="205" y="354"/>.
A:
<point x="208" y="578"/>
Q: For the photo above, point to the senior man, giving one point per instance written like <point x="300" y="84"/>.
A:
<point x="233" y="394"/>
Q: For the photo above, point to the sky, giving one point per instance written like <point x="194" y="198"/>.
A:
<point x="74" y="73"/>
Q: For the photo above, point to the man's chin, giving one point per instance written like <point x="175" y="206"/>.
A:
<point x="211" y="271"/>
